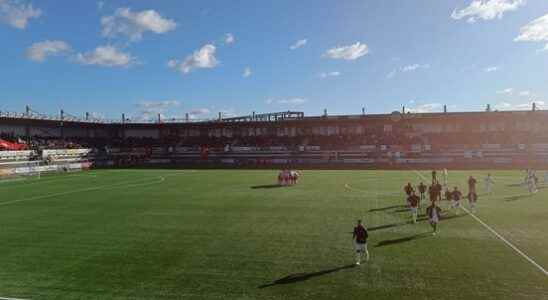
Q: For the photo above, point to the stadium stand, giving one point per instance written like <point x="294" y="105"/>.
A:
<point x="396" y="140"/>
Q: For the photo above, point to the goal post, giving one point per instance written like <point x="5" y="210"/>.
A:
<point x="20" y="171"/>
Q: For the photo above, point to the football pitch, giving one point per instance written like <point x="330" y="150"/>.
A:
<point x="232" y="234"/>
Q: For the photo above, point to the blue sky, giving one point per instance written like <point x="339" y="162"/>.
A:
<point x="201" y="57"/>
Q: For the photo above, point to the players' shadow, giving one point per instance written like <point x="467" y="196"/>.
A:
<point x="403" y="240"/>
<point x="268" y="186"/>
<point x="298" y="277"/>
<point x="517" y="197"/>
<point x="386" y="226"/>
<point x="516" y="185"/>
<point x="420" y="218"/>
<point x="386" y="208"/>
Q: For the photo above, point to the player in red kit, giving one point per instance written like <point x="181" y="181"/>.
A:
<point x="422" y="190"/>
<point x="408" y="189"/>
<point x="434" y="213"/>
<point x="414" y="205"/>
<point x="432" y="193"/>
<point x="457" y="196"/>
<point x="472" y="185"/>
<point x="473" y="200"/>
<point x="448" y="197"/>
<point x="359" y="237"/>
<point x="439" y="188"/>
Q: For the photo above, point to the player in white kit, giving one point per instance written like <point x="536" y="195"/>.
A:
<point x="489" y="183"/>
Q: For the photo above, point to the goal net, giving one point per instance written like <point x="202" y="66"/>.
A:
<point x="20" y="171"/>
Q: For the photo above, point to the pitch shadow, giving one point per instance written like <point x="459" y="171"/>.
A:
<point x="403" y="240"/>
<point x="298" y="277"/>
<point x="517" y="197"/>
<point x="268" y="186"/>
<point x="386" y="208"/>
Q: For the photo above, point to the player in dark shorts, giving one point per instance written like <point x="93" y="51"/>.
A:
<point x="414" y="205"/>
<point x="439" y="188"/>
<point x="359" y="237"/>
<point x="472" y="185"/>
<point x="408" y="189"/>
<point x="432" y="193"/>
<point x="473" y="200"/>
<point x="422" y="190"/>
<point x="448" y="197"/>
<point x="434" y="213"/>
<point x="456" y="196"/>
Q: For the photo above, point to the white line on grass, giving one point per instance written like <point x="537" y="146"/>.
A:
<point x="9" y="298"/>
<point x="529" y="259"/>
<point x="116" y="185"/>
<point x="24" y="181"/>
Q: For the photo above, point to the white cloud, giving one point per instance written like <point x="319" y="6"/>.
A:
<point x="491" y="69"/>
<point x="198" y="112"/>
<point x="97" y="115"/>
<point x="506" y="91"/>
<point x="204" y="58"/>
<point x="408" y="68"/>
<point x="107" y="56"/>
<point x="330" y="74"/>
<point x="391" y="74"/>
<point x="508" y="105"/>
<point x="247" y="72"/>
<point x="535" y="31"/>
<point x="287" y="101"/>
<point x="486" y="10"/>
<point x="133" y="25"/>
<point x="228" y="113"/>
<point x="17" y="13"/>
<point x="414" y="67"/>
<point x="41" y="50"/>
<point x="298" y="44"/>
<point x="150" y="109"/>
<point x="425" y="108"/>
<point x="525" y="93"/>
<point x="172" y="63"/>
<point x="351" y="52"/>
<point x="229" y="39"/>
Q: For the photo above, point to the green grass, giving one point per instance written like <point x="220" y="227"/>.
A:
<point x="166" y="234"/>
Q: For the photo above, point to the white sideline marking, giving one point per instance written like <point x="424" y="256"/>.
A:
<point x="529" y="259"/>
<point x="8" y="298"/>
<point x="45" y="180"/>
<point x="116" y="185"/>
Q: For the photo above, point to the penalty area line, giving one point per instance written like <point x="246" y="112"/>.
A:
<point x="494" y="232"/>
